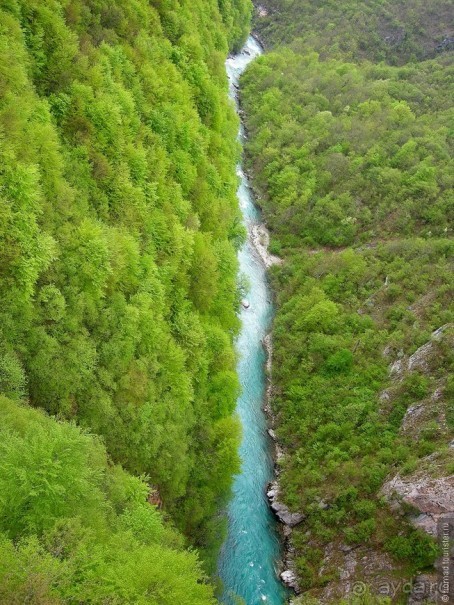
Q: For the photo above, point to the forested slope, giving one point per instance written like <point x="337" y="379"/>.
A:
<point x="118" y="235"/>
<point x="352" y="162"/>
<point x="75" y="529"/>
<point x="380" y="30"/>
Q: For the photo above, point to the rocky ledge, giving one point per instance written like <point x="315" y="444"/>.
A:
<point x="288" y="520"/>
<point x="431" y="498"/>
<point x="285" y="516"/>
<point x="259" y="237"/>
<point x="282" y="511"/>
<point x="423" y="357"/>
<point x="289" y="578"/>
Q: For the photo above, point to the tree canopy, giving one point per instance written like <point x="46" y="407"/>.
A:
<point x="119" y="228"/>
<point x="351" y="159"/>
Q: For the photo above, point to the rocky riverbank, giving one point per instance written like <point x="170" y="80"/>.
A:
<point x="260" y="239"/>
<point x="286" y="517"/>
<point x="247" y="561"/>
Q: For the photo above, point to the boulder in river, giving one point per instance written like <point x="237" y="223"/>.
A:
<point x="246" y="304"/>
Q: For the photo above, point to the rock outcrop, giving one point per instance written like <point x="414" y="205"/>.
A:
<point x="289" y="578"/>
<point x="357" y="567"/>
<point x="282" y="511"/>
<point x="260" y="239"/>
<point x="431" y="498"/>
<point x="422" y="357"/>
<point x="289" y="520"/>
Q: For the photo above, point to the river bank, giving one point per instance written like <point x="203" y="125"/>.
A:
<point x="288" y="520"/>
<point x="259" y="237"/>
<point x="250" y="560"/>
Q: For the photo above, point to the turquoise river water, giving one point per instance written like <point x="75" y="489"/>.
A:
<point x="249" y="557"/>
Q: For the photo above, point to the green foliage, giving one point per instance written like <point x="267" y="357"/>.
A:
<point x="414" y="546"/>
<point x="342" y="155"/>
<point x="74" y="528"/>
<point x="352" y="161"/>
<point x="118" y="234"/>
<point x="395" y="31"/>
<point x="47" y="472"/>
<point x="366" y="599"/>
<point x="341" y="361"/>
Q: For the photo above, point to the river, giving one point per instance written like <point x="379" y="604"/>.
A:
<point x="249" y="558"/>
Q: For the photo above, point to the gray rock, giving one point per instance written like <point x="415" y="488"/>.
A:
<point x="385" y="395"/>
<point x="285" y="516"/>
<point x="446" y="44"/>
<point x="419" y="359"/>
<point x="396" y="368"/>
<point x="289" y="578"/>
<point x="345" y="548"/>
<point x="431" y="498"/>
<point x="423" y="590"/>
<point x="282" y="511"/>
<point x="260" y="239"/>
<point x="437" y="335"/>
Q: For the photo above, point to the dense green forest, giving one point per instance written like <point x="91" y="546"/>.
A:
<point x="380" y="30"/>
<point x="352" y="164"/>
<point x="118" y="234"/>
<point x="77" y="529"/>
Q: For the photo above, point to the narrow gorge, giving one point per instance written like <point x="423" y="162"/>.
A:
<point x="249" y="560"/>
<point x="226" y="285"/>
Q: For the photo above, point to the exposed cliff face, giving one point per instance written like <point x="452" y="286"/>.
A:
<point x="429" y="489"/>
<point x="261" y="239"/>
<point x="431" y="499"/>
